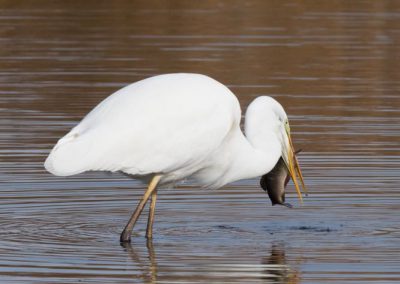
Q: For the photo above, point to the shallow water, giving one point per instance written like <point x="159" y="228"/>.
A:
<point x="332" y="64"/>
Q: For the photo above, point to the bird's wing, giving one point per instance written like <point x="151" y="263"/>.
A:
<point x="158" y="125"/>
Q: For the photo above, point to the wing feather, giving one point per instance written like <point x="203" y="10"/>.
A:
<point x="159" y="125"/>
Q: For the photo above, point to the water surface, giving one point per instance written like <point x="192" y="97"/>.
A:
<point x="332" y="64"/>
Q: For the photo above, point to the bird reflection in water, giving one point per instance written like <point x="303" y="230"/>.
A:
<point x="277" y="270"/>
<point x="274" y="268"/>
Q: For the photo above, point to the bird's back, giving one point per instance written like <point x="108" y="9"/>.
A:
<point x="164" y="124"/>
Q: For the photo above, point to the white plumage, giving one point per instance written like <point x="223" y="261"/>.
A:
<point x="176" y="126"/>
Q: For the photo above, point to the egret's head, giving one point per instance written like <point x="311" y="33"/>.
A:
<point x="275" y="181"/>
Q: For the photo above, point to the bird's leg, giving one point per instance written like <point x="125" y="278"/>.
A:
<point x="126" y="233"/>
<point x="149" y="231"/>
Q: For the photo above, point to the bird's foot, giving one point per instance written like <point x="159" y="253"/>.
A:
<point x="125" y="237"/>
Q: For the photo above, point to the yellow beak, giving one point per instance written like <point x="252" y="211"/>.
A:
<point x="293" y="166"/>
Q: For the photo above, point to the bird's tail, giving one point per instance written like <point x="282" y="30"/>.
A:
<point x="69" y="156"/>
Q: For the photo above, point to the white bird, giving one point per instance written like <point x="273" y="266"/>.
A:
<point x="176" y="126"/>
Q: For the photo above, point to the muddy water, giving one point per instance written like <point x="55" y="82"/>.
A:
<point x="333" y="65"/>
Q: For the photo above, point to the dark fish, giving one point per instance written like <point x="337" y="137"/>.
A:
<point x="275" y="181"/>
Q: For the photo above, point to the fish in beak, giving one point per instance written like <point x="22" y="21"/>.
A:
<point x="274" y="183"/>
<point x="287" y="167"/>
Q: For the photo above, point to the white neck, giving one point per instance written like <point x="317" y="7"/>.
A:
<point x="257" y="152"/>
<point x="256" y="155"/>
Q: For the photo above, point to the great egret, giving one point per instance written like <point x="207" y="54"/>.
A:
<point x="170" y="127"/>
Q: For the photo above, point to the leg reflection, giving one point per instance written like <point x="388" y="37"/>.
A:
<point x="148" y="266"/>
<point x="152" y="258"/>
